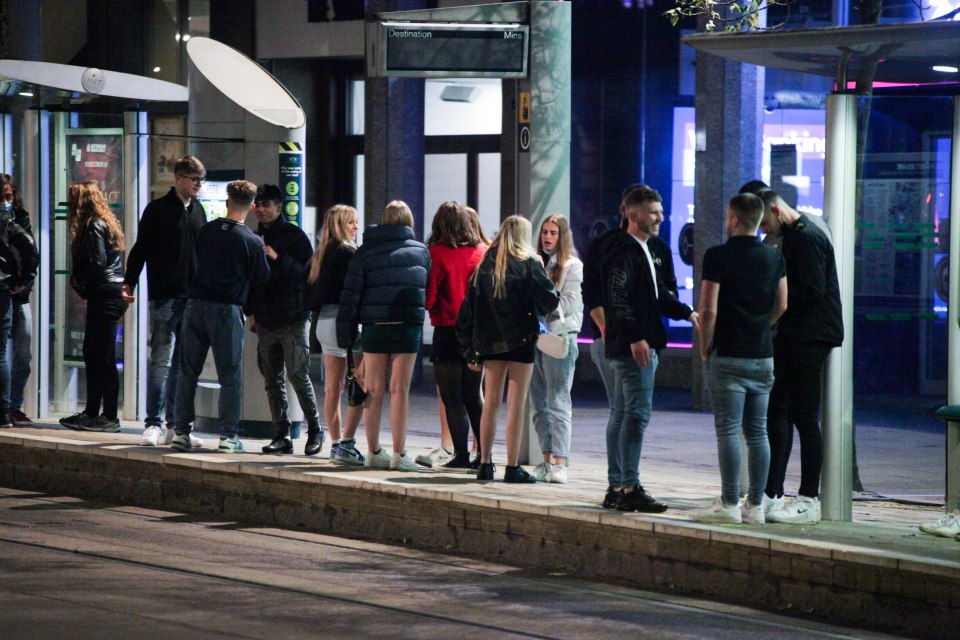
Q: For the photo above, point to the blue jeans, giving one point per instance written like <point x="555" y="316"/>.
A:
<point x="550" y="387"/>
<point x="6" y="322"/>
<point x="284" y="351"/>
<point x="739" y="390"/>
<point x="599" y="358"/>
<point x="629" y="416"/>
<point x="166" y="317"/>
<point x="22" y="337"/>
<point x="218" y="326"/>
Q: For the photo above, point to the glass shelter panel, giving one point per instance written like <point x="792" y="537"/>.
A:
<point x="900" y="304"/>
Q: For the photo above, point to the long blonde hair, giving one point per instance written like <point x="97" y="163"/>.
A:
<point x="85" y="203"/>
<point x="512" y="240"/>
<point x="335" y="222"/>
<point x="565" y="249"/>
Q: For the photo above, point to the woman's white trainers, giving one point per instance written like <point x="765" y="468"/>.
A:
<point x="803" y="510"/>
<point x="558" y="475"/>
<point x="946" y="527"/>
<point x="402" y="462"/>
<point x="718" y="513"/>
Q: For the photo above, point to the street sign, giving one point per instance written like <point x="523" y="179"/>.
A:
<point x="420" y="49"/>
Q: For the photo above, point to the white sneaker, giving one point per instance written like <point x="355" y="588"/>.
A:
<point x="436" y="457"/>
<point x="947" y="527"/>
<point x="718" y="513"/>
<point x="771" y="504"/>
<point x="402" y="462"/>
<point x="542" y="471"/>
<point x="151" y="436"/>
<point x="803" y="510"/>
<point x="168" y="435"/>
<point x="378" y="460"/>
<point x="558" y="475"/>
<point x="752" y="513"/>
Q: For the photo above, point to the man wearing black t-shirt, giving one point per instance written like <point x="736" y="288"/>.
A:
<point x="743" y="292"/>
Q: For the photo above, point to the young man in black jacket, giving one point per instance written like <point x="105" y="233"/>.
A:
<point x="230" y="261"/>
<point x="280" y="318"/>
<point x="807" y="331"/>
<point x="165" y="238"/>
<point x="21" y="333"/>
<point x="633" y="299"/>
<point x="18" y="268"/>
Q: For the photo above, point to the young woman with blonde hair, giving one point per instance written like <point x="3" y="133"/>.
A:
<point x="327" y="271"/>
<point x="497" y="326"/>
<point x="385" y="292"/>
<point x="97" y="277"/>
<point x="553" y="377"/>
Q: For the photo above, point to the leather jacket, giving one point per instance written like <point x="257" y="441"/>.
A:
<point x="97" y="271"/>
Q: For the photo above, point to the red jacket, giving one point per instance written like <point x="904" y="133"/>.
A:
<point x="449" y="279"/>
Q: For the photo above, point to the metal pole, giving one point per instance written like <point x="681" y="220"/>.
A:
<point x="135" y="194"/>
<point x="953" y="317"/>
<point x="31" y="189"/>
<point x="840" y="181"/>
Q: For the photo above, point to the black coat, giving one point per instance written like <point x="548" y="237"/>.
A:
<point x="18" y="255"/>
<point x="488" y="325"/>
<point x="630" y="301"/>
<point x="386" y="281"/>
<point x="280" y="300"/>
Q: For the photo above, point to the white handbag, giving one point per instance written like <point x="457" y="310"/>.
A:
<point x="555" y="346"/>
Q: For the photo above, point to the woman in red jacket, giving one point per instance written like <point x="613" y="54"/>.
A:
<point x="455" y="251"/>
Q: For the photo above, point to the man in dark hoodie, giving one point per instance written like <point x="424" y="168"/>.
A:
<point x="279" y="318"/>
<point x="165" y="239"/>
<point x="633" y="299"/>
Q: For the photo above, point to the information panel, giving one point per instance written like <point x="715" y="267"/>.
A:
<point x="447" y="49"/>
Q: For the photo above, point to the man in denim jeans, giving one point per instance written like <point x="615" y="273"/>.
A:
<point x="230" y="261"/>
<point x="743" y="292"/>
<point x="633" y="299"/>
<point x="165" y="239"/>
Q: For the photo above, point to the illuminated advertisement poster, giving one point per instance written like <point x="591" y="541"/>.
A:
<point x="92" y="155"/>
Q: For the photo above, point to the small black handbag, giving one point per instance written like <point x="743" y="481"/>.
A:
<point x="355" y="393"/>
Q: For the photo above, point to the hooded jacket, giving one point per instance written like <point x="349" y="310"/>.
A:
<point x="280" y="300"/>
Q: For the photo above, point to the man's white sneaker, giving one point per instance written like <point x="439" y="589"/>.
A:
<point x="947" y="527"/>
<point x="402" y="462"/>
<point x="718" y="513"/>
<point x="752" y="513"/>
<point x="558" y="475"/>
<point x="152" y="436"/>
<point x="168" y="435"/>
<point x="436" y="457"/>
<point x="803" y="510"/>
<point x="771" y="504"/>
<point x="378" y="460"/>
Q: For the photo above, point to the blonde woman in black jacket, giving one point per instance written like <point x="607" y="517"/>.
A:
<point x="97" y="277"/>
<point x="498" y="327"/>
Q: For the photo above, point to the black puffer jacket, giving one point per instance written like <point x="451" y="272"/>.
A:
<point x="386" y="281"/>
<point x="487" y="325"/>
<point x="280" y="300"/>
<point x="97" y="272"/>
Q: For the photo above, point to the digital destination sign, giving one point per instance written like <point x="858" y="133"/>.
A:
<point x="455" y="50"/>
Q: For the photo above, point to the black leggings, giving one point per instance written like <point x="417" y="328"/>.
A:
<point x="795" y="400"/>
<point x="460" y="392"/>
<point x="100" y="358"/>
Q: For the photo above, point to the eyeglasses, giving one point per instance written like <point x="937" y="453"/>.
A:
<point x="197" y="180"/>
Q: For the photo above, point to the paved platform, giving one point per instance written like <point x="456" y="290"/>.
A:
<point x="878" y="572"/>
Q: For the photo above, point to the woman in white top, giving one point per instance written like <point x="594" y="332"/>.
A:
<point x="553" y="377"/>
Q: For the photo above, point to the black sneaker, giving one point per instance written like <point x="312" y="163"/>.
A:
<point x="639" y="500"/>
<point x="610" y="500"/>
<point x="314" y="442"/>
<point x="517" y="475"/>
<point x="475" y="463"/>
<point x="6" y="420"/>
<point x="78" y="422"/>
<point x="485" y="471"/>
<point x="280" y="444"/>
<point x="459" y="462"/>
<point x="104" y="424"/>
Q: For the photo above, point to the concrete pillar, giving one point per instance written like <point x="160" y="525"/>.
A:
<point x="729" y="125"/>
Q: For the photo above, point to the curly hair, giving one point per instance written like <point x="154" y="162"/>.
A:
<point x="85" y="203"/>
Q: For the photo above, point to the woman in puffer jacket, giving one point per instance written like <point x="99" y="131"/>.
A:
<point x="385" y="292"/>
